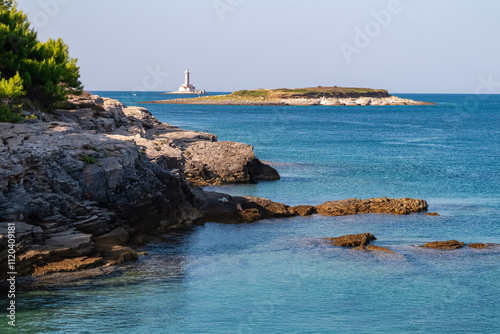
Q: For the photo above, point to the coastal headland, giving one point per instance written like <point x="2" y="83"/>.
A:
<point x="85" y="184"/>
<point x="313" y="96"/>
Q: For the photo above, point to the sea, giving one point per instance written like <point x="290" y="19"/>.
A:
<point x="276" y="276"/>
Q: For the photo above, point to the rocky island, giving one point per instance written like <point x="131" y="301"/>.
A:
<point x="327" y="96"/>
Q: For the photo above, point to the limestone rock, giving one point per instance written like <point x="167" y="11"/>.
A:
<point x="68" y="265"/>
<point x="346" y="207"/>
<point x="215" y="163"/>
<point x="378" y="249"/>
<point x="435" y="214"/>
<point x="478" y="245"/>
<point x="451" y="244"/>
<point x="352" y="240"/>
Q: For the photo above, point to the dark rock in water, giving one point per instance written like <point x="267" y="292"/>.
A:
<point x="352" y="240"/>
<point x="478" y="245"/>
<point x="433" y="214"/>
<point x="451" y="244"/>
<point x="354" y="206"/>
<point x="304" y="210"/>
<point x="378" y="249"/>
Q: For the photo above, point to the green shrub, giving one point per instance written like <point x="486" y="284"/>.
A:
<point x="42" y="71"/>
<point x="88" y="159"/>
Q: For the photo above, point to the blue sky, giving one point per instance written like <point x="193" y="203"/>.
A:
<point x="421" y="46"/>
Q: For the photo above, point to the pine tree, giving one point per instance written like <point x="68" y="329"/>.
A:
<point x="46" y="71"/>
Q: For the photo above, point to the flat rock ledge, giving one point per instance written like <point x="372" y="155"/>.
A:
<point x="222" y="208"/>
<point x="403" y="206"/>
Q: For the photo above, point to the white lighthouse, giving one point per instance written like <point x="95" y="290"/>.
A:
<point x="187" y="88"/>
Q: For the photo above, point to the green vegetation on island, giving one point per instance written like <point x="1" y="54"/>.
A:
<point x="310" y="93"/>
<point x="31" y="72"/>
<point x="328" y="96"/>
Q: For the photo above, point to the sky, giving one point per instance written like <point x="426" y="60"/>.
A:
<point x="404" y="46"/>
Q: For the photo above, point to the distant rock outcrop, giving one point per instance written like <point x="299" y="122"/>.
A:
<point x="354" y="206"/>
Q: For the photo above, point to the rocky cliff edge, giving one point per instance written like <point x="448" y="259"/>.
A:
<point x="82" y="181"/>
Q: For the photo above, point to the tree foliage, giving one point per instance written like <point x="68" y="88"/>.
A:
<point x="46" y="71"/>
<point x="10" y="91"/>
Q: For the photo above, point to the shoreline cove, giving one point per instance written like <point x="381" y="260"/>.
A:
<point x="114" y="157"/>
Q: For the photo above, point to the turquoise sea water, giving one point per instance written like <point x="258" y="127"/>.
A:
<point x="274" y="276"/>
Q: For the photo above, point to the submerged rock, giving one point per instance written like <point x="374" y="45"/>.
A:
<point x="433" y="214"/>
<point x="478" y="245"/>
<point x="450" y="244"/>
<point x="378" y="249"/>
<point x="354" y="206"/>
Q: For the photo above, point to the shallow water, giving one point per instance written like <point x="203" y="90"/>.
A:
<point x="276" y="276"/>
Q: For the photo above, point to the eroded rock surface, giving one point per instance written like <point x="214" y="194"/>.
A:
<point x="354" y="206"/>
<point x="450" y="244"/>
<point x="353" y="240"/>
<point x="215" y="163"/>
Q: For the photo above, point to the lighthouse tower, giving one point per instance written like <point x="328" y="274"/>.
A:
<point x="187" y="87"/>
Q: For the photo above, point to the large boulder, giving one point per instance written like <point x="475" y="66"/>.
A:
<point x="216" y="163"/>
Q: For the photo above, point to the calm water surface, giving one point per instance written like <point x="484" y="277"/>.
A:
<point x="275" y="276"/>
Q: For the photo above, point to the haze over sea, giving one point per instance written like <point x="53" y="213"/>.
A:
<point x="273" y="276"/>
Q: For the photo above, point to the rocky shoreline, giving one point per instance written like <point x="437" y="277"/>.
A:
<point x="87" y="183"/>
<point x="347" y="101"/>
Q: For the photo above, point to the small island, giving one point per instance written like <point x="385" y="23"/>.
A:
<point x="328" y="96"/>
